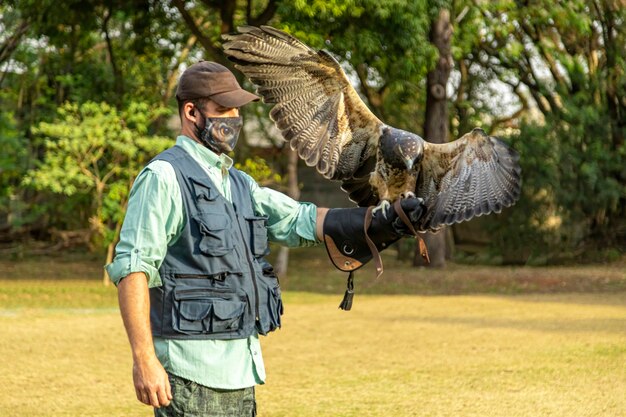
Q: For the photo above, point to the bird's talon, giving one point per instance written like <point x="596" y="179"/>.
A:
<point x="382" y="207"/>
<point x="408" y="194"/>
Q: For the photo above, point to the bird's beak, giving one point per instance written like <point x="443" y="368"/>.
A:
<point x="412" y="163"/>
<point x="409" y="162"/>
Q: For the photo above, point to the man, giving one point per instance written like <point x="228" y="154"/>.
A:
<point x="195" y="290"/>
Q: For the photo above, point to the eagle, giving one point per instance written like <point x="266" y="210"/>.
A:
<point x="322" y="116"/>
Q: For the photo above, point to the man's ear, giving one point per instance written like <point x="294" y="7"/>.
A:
<point x="189" y="112"/>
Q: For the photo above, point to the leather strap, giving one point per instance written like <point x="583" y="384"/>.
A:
<point x="405" y="219"/>
<point x="375" y="254"/>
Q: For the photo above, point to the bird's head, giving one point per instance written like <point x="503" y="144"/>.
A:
<point x="401" y="149"/>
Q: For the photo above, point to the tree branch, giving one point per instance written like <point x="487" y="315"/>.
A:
<point x="227" y="14"/>
<point x="538" y="40"/>
<point x="108" y="175"/>
<point x="117" y="77"/>
<point x="206" y="43"/>
<point x="266" y="14"/>
<point x="538" y="84"/>
<point x="374" y="98"/>
<point x="11" y="44"/>
<point x="527" y="81"/>
<point x="504" y="120"/>
<point x="172" y="78"/>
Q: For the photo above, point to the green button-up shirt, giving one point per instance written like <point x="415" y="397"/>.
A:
<point x="154" y="220"/>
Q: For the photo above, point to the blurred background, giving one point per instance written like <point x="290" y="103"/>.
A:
<point x="523" y="313"/>
<point x="87" y="98"/>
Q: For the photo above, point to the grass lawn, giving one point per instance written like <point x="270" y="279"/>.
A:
<point x="466" y="341"/>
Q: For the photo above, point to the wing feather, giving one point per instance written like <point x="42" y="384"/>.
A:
<point x="315" y="107"/>
<point x="470" y="177"/>
<point x="323" y="118"/>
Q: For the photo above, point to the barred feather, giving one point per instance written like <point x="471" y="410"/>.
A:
<point x="315" y="107"/>
<point x="470" y="177"/>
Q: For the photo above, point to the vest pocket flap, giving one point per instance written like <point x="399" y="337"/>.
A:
<point x="194" y="310"/>
<point x="209" y="223"/>
<point x="216" y="239"/>
<point x="203" y="189"/>
<point x="260" y="219"/>
<point x="227" y="310"/>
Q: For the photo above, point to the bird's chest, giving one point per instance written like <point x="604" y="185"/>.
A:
<point x="399" y="182"/>
<point x="391" y="182"/>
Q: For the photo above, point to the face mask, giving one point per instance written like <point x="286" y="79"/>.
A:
<point x="220" y="134"/>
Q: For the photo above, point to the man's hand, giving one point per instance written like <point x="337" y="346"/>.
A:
<point x="413" y="208"/>
<point x="345" y="237"/>
<point x="152" y="385"/>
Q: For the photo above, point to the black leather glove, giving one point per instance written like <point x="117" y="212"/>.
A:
<point x="348" y="246"/>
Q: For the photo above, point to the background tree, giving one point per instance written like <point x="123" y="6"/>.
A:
<point x="560" y="60"/>
<point x="94" y="152"/>
<point x="546" y="76"/>
<point x="120" y="53"/>
<point x="436" y="119"/>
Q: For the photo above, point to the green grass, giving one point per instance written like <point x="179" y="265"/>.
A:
<point x="465" y="341"/>
<point x="531" y="355"/>
<point x="538" y="355"/>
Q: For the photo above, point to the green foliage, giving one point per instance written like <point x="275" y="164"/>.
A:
<point x="13" y="155"/>
<point x="94" y="150"/>
<point x="262" y="173"/>
<point x="385" y="44"/>
<point x="574" y="182"/>
<point x="13" y="164"/>
<point x="93" y="51"/>
<point x="563" y="61"/>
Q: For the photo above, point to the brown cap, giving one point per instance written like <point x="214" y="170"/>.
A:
<point x="211" y="80"/>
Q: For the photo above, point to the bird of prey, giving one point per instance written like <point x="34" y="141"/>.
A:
<point x="322" y="116"/>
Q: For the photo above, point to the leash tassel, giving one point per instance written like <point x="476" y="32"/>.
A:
<point x="346" y="303"/>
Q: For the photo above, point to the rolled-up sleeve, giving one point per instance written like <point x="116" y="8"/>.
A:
<point x="290" y="223"/>
<point x="153" y="217"/>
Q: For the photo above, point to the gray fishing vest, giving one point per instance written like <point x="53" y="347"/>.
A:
<point x="216" y="281"/>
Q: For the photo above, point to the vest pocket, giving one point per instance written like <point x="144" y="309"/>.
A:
<point x="258" y="232"/>
<point x="276" y="307"/>
<point x="226" y="316"/>
<point x="217" y="239"/>
<point x="203" y="189"/>
<point x="201" y="311"/>
<point x="194" y="316"/>
<point x="269" y="289"/>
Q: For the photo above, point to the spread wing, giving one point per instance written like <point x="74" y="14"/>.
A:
<point x="315" y="107"/>
<point x="472" y="176"/>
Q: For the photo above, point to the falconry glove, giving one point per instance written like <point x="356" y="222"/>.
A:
<point x="353" y="236"/>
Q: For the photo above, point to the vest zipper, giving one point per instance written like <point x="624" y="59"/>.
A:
<point x="216" y="277"/>
<point x="205" y="291"/>
<point x="252" y="274"/>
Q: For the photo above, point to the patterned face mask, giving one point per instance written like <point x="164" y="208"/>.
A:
<point x="220" y="134"/>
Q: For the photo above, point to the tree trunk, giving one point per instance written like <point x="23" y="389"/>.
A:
<point x="105" y="275"/>
<point x="111" y="248"/>
<point x="436" y="123"/>
<point x="293" y="191"/>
